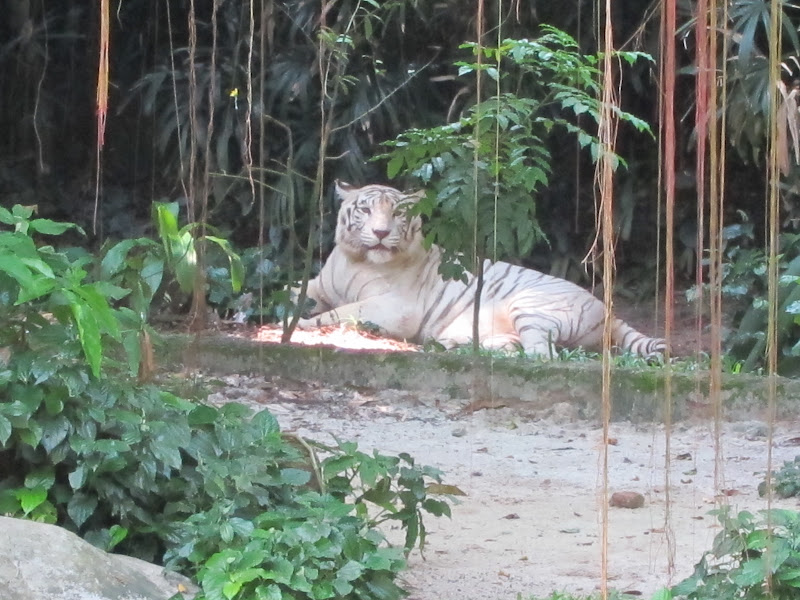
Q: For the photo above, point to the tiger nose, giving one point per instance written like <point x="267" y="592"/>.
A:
<point x="381" y="233"/>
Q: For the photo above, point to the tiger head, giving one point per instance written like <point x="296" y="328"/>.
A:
<point x="373" y="223"/>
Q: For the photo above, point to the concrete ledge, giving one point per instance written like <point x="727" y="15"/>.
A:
<point x="637" y="394"/>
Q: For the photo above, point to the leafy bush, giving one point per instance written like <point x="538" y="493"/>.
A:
<point x="752" y="557"/>
<point x="484" y="171"/>
<point x="217" y="492"/>
<point x="161" y="274"/>
<point x="786" y="481"/>
<point x="141" y="263"/>
<point x="744" y="282"/>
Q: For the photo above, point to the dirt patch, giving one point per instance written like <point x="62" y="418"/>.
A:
<point x="531" y="522"/>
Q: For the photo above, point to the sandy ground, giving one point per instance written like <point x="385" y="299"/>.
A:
<point x="531" y="522"/>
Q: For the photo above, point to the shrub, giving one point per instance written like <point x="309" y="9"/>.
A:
<point x="484" y="172"/>
<point x="744" y="283"/>
<point x="786" y="481"/>
<point x="218" y="492"/>
<point x="752" y="557"/>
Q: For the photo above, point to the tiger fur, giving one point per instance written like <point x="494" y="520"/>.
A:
<point x="379" y="272"/>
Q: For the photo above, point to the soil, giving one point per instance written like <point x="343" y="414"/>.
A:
<point x="537" y="503"/>
<point x="532" y="519"/>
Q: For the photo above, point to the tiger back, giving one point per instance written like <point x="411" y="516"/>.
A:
<point x="379" y="272"/>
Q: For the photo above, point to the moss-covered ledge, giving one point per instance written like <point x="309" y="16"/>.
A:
<point x="637" y="394"/>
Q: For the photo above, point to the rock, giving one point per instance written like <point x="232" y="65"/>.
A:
<point x="45" y="562"/>
<point x="627" y="500"/>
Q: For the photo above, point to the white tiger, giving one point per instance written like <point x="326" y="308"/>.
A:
<point x="379" y="272"/>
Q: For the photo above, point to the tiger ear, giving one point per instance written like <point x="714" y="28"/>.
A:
<point x="416" y="196"/>
<point x="346" y="191"/>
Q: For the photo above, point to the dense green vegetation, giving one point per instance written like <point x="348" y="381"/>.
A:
<point x="217" y="493"/>
<point x="756" y="557"/>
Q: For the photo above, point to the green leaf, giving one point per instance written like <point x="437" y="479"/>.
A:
<point x="6" y="216"/>
<point x="184" y="260"/>
<point x="311" y="531"/>
<point x="114" y="260"/>
<point x="343" y="588"/>
<point x="382" y="587"/>
<point x="78" y="477"/>
<point x="279" y="570"/>
<point x="133" y="351"/>
<point x="9" y="503"/>
<point x="295" y="477"/>
<point x="88" y="334"/>
<point x="231" y="588"/>
<point x="117" y="534"/>
<point x="269" y="592"/>
<point x="266" y="423"/>
<point x="5" y="430"/>
<point x="39" y="266"/>
<point x="662" y="594"/>
<point x="166" y="217"/>
<point x="54" y="404"/>
<point x="42" y="477"/>
<point x="437" y="508"/>
<point x="55" y="431"/>
<point x="752" y="572"/>
<point x="80" y="507"/>
<point x="394" y="165"/>
<point x="111" y="446"/>
<point x="49" y="227"/>
<point x="350" y="571"/>
<point x="102" y="313"/>
<point x="152" y="274"/>
<point x="203" y="415"/>
<point x="213" y="582"/>
<point x="226" y="532"/>
<point x="32" y="435"/>
<point x="237" y="269"/>
<point x="30" y="499"/>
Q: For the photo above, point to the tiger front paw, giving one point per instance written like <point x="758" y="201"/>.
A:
<point x="307" y="323"/>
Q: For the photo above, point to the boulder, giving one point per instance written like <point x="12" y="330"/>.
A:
<point x="45" y="562"/>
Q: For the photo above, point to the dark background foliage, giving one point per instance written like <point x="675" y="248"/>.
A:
<point x="398" y="73"/>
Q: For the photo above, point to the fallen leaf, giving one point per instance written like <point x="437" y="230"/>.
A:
<point x="442" y="488"/>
